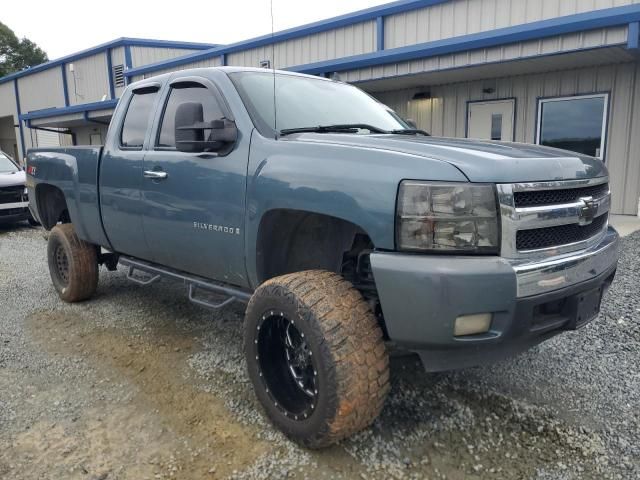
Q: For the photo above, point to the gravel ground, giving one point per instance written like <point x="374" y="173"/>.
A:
<point x="138" y="383"/>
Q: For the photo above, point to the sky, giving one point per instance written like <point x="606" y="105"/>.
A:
<point x="61" y="28"/>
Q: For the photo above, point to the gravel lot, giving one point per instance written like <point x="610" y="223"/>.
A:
<point x="138" y="383"/>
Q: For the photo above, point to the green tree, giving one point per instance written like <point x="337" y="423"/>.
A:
<point x="16" y="54"/>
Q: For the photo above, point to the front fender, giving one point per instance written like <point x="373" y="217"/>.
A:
<point x="355" y="184"/>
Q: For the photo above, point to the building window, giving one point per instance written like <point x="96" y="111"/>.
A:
<point x="575" y="123"/>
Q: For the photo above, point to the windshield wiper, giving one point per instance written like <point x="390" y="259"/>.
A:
<point x="342" y="128"/>
<point x="410" y="131"/>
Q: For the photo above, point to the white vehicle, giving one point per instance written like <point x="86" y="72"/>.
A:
<point x="14" y="202"/>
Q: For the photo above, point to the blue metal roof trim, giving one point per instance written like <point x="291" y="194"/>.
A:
<point x="322" y="26"/>
<point x="610" y="17"/>
<point x="557" y="26"/>
<point x="54" y="112"/>
<point x="138" y="42"/>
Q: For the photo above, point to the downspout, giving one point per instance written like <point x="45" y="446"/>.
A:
<point x="17" y="94"/>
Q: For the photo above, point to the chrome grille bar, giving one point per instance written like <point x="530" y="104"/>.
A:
<point x="515" y="219"/>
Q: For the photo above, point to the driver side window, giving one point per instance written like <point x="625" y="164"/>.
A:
<point x="178" y="95"/>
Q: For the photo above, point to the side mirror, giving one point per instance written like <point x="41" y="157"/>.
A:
<point x="190" y="131"/>
<point x="189" y="139"/>
<point x="411" y="123"/>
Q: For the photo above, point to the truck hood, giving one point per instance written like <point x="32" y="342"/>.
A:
<point x="479" y="161"/>
<point x="12" y="179"/>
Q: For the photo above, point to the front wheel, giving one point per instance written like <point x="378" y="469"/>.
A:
<point x="316" y="357"/>
<point x="73" y="264"/>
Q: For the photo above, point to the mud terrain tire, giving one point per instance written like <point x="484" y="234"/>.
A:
<point x="348" y="369"/>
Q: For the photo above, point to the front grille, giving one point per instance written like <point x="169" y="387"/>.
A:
<point x="11" y="194"/>
<point x="556" y="197"/>
<point x="538" y="238"/>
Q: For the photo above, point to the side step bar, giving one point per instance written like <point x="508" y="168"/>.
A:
<point x="194" y="283"/>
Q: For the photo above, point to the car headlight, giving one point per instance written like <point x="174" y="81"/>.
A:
<point x="447" y="217"/>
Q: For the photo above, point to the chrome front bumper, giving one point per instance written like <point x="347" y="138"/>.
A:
<point x="542" y="276"/>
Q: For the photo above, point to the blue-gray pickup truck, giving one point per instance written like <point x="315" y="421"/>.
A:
<point x="346" y="231"/>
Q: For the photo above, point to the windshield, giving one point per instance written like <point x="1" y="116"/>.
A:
<point x="304" y="102"/>
<point x="6" y="165"/>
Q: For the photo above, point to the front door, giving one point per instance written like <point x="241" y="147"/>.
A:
<point x="493" y="120"/>
<point x="194" y="202"/>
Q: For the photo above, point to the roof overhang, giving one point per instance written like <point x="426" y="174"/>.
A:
<point x="492" y="70"/>
<point x="74" y="116"/>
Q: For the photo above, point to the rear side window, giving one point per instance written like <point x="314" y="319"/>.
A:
<point x="180" y="94"/>
<point x="137" y="118"/>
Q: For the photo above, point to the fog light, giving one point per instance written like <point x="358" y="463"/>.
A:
<point x="472" y="324"/>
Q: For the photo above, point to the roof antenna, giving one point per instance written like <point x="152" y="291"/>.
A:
<point x="273" y="69"/>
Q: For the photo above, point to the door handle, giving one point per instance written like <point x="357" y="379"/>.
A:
<point x="155" y="174"/>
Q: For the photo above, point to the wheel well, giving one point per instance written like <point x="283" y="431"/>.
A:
<point x="52" y="206"/>
<point x="293" y="240"/>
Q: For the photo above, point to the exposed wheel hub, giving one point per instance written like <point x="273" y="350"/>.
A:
<point x="62" y="263"/>
<point x="286" y="365"/>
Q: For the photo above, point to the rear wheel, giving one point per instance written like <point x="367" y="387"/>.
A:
<point x="316" y="357"/>
<point x="73" y="264"/>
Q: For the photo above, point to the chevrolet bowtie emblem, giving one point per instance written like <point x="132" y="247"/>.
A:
<point x="588" y="211"/>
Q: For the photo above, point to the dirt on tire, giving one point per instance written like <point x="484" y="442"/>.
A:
<point x="348" y="342"/>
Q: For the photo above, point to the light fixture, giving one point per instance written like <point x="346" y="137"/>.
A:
<point x="425" y="95"/>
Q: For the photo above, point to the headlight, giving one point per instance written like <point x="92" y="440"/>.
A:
<point x="447" y="217"/>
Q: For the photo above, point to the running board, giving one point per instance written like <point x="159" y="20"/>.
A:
<point x="194" y="283"/>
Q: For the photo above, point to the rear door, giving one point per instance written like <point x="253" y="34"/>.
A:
<point x="121" y="173"/>
<point x="194" y="202"/>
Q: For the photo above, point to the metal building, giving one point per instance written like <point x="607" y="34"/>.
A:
<point x="564" y="73"/>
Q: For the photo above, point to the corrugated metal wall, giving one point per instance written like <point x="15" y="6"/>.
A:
<point x="516" y="51"/>
<point x="40" y="138"/>
<point x="41" y="90"/>
<point x="341" y="42"/>
<point x="7" y="99"/>
<point x="147" y="55"/>
<point x="210" y="62"/>
<point x="445" y="114"/>
<point x="89" y="82"/>
<point x="472" y="16"/>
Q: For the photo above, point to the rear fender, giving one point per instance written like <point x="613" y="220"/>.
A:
<point x="73" y="171"/>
